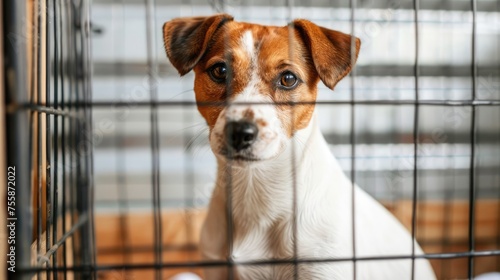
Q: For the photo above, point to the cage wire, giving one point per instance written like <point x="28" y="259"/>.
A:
<point x="415" y="127"/>
<point x="49" y="144"/>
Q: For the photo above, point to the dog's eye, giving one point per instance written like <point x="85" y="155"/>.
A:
<point x="288" y="80"/>
<point x="218" y="72"/>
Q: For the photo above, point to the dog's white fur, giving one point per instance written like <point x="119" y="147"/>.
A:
<point x="262" y="199"/>
<point x="263" y="202"/>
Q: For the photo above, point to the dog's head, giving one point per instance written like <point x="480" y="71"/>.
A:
<point x="256" y="85"/>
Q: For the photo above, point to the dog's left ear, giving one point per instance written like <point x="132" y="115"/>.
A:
<point x="330" y="51"/>
<point x="187" y="39"/>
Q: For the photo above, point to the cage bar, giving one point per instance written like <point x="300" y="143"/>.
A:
<point x="18" y="128"/>
<point x="415" y="140"/>
<point x="472" y="177"/>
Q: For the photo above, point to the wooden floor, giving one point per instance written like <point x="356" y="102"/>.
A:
<point x="441" y="228"/>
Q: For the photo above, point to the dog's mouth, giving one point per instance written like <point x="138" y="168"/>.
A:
<point x="238" y="157"/>
<point x="242" y="158"/>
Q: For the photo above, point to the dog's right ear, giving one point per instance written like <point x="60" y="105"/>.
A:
<point x="186" y="39"/>
<point x="330" y="50"/>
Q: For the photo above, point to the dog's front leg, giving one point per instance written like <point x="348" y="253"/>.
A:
<point x="214" y="250"/>
<point x="213" y="241"/>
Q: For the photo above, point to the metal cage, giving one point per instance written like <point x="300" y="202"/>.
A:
<point x="97" y="175"/>
<point x="49" y="120"/>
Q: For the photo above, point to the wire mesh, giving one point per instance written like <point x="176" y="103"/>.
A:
<point x="49" y="54"/>
<point x="56" y="121"/>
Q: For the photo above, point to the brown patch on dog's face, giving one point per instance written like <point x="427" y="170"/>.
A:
<point x="280" y="52"/>
<point x="273" y="58"/>
<point x="226" y="49"/>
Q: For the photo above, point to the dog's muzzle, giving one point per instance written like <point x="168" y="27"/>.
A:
<point x="240" y="135"/>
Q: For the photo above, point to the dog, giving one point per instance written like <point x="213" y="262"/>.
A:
<point x="289" y="200"/>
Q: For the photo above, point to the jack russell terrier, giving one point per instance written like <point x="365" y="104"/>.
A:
<point x="256" y="87"/>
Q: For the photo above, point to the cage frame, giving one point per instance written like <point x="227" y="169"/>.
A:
<point x="19" y="109"/>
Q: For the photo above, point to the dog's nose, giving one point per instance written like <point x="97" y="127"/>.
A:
<point x="240" y="135"/>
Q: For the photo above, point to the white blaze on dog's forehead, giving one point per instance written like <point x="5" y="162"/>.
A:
<point x="248" y="99"/>
<point x="250" y="92"/>
<point x="248" y="43"/>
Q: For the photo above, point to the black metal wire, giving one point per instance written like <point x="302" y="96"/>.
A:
<point x="73" y="128"/>
<point x="90" y="157"/>
<point x="352" y="136"/>
<point x="168" y="103"/>
<point x="415" y="142"/>
<point x="39" y="127"/>
<point x="80" y="141"/>
<point x="155" y="150"/>
<point x="192" y="247"/>
<point x="48" y="147"/>
<point x="63" y="140"/>
<point x="121" y="180"/>
<point x="220" y="6"/>
<point x="57" y="75"/>
<point x="472" y="173"/>
<point x="293" y="156"/>
<point x="51" y="252"/>
<point x="201" y="264"/>
<point x="450" y="185"/>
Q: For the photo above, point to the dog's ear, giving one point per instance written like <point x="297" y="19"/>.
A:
<point x="330" y="51"/>
<point x="186" y="39"/>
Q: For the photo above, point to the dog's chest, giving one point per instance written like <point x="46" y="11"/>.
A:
<point x="261" y="244"/>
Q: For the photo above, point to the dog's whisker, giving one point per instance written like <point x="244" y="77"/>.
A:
<point x="196" y="137"/>
<point x="176" y="134"/>
<point x="199" y="150"/>
<point x="181" y="93"/>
